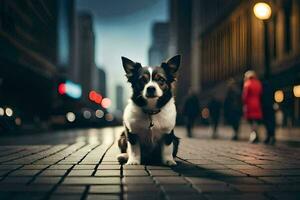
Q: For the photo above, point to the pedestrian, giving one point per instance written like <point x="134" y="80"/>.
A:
<point x="252" y="94"/>
<point x="214" y="107"/>
<point x="233" y="110"/>
<point x="268" y="112"/>
<point x="191" y="111"/>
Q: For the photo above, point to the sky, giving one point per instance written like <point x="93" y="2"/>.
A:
<point x="122" y="28"/>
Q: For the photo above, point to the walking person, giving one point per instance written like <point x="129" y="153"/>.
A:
<point x="214" y="107"/>
<point x="191" y="111"/>
<point x="233" y="107"/>
<point x="268" y="112"/>
<point x="251" y="96"/>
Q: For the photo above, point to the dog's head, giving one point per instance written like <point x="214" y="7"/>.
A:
<point x="151" y="83"/>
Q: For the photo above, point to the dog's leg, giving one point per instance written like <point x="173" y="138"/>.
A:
<point x="168" y="149"/>
<point x="134" y="151"/>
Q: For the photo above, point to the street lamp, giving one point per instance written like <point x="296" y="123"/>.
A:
<point x="263" y="12"/>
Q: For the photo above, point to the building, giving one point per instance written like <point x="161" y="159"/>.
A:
<point x="101" y="82"/>
<point x="119" y="98"/>
<point x="158" y="52"/>
<point x="85" y="53"/>
<point x="235" y="44"/>
<point x="180" y="43"/>
<point x="32" y="35"/>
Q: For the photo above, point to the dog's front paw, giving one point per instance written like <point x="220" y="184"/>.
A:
<point x="169" y="162"/>
<point x="133" y="162"/>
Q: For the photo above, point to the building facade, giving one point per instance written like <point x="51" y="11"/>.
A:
<point x="236" y="44"/>
<point x="158" y="52"/>
<point x="85" y="53"/>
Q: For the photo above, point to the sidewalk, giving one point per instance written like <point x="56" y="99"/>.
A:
<point x="207" y="169"/>
<point x="225" y="132"/>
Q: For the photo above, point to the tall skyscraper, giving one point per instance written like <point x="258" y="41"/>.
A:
<point x="158" y="51"/>
<point x="86" y="52"/>
<point x="119" y="98"/>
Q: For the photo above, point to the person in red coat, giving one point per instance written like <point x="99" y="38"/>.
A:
<point x="252" y="93"/>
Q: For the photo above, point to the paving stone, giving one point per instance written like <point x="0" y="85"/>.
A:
<point x="163" y="173"/>
<point x="138" y="196"/>
<point x="106" y="189"/>
<point x="65" y="197"/>
<point x="60" y="167"/>
<point x="109" y="167"/>
<point x="70" y="189"/>
<point x="9" y="167"/>
<point x="10" y="179"/>
<point x="108" y="173"/>
<point x="81" y="172"/>
<point x="170" y="180"/>
<point x="54" y="172"/>
<point x="138" y="180"/>
<point x="46" y="180"/>
<point x="255" y="188"/>
<point x="84" y="167"/>
<point x="25" y="172"/>
<point x="204" y="188"/>
<point x="34" y="167"/>
<point x="143" y="188"/>
<point x="103" y="197"/>
<point x="222" y="196"/>
<point x="92" y="181"/>
<point x="137" y="172"/>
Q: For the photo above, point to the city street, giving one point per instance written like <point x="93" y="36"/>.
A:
<point x="82" y="165"/>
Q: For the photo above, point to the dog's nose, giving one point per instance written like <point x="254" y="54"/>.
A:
<point x="150" y="91"/>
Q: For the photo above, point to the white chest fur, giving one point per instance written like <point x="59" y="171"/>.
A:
<point x="138" y="122"/>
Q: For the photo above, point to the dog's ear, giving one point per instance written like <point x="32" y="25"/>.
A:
<point x="172" y="66"/>
<point x="130" y="67"/>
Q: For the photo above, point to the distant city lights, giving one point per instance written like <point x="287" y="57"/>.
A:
<point x="296" y="91"/>
<point x="70" y="89"/>
<point x="109" y="117"/>
<point x="279" y="96"/>
<point x="18" y="121"/>
<point x="205" y="113"/>
<point x="99" y="113"/>
<point x="1" y="111"/>
<point x="95" y="97"/>
<point x="9" y="112"/>
<point x="87" y="114"/>
<point x="70" y="117"/>
<point x="106" y="103"/>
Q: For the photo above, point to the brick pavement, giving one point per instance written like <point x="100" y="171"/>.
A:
<point x="207" y="169"/>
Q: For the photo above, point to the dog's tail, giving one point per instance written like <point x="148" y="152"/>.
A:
<point x="122" y="143"/>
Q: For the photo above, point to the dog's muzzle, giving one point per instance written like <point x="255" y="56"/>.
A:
<point x="151" y="92"/>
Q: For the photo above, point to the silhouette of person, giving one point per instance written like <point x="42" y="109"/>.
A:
<point x="252" y="94"/>
<point x="233" y="107"/>
<point x="268" y="112"/>
<point x="191" y="111"/>
<point x="214" y="107"/>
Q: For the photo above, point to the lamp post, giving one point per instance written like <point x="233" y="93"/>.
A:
<point x="263" y="12"/>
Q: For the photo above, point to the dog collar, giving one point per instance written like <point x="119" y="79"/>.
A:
<point x="151" y="112"/>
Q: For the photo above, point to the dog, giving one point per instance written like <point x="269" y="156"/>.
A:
<point x="150" y="115"/>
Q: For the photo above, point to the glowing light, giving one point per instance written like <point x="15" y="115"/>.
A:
<point x="9" y="112"/>
<point x="106" y="102"/>
<point x="279" y="96"/>
<point x="70" y="117"/>
<point x="109" y="117"/>
<point x="205" y="113"/>
<point x="1" y="111"/>
<point x="296" y="91"/>
<point x="18" y="121"/>
<point x="95" y="97"/>
<point x="87" y="114"/>
<point x="262" y="11"/>
<point x="62" y="88"/>
<point x="71" y="89"/>
<point x="99" y="113"/>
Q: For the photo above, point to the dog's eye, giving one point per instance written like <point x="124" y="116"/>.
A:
<point x="144" y="79"/>
<point x="161" y="80"/>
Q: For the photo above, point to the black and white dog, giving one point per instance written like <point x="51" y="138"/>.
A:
<point x="150" y="116"/>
